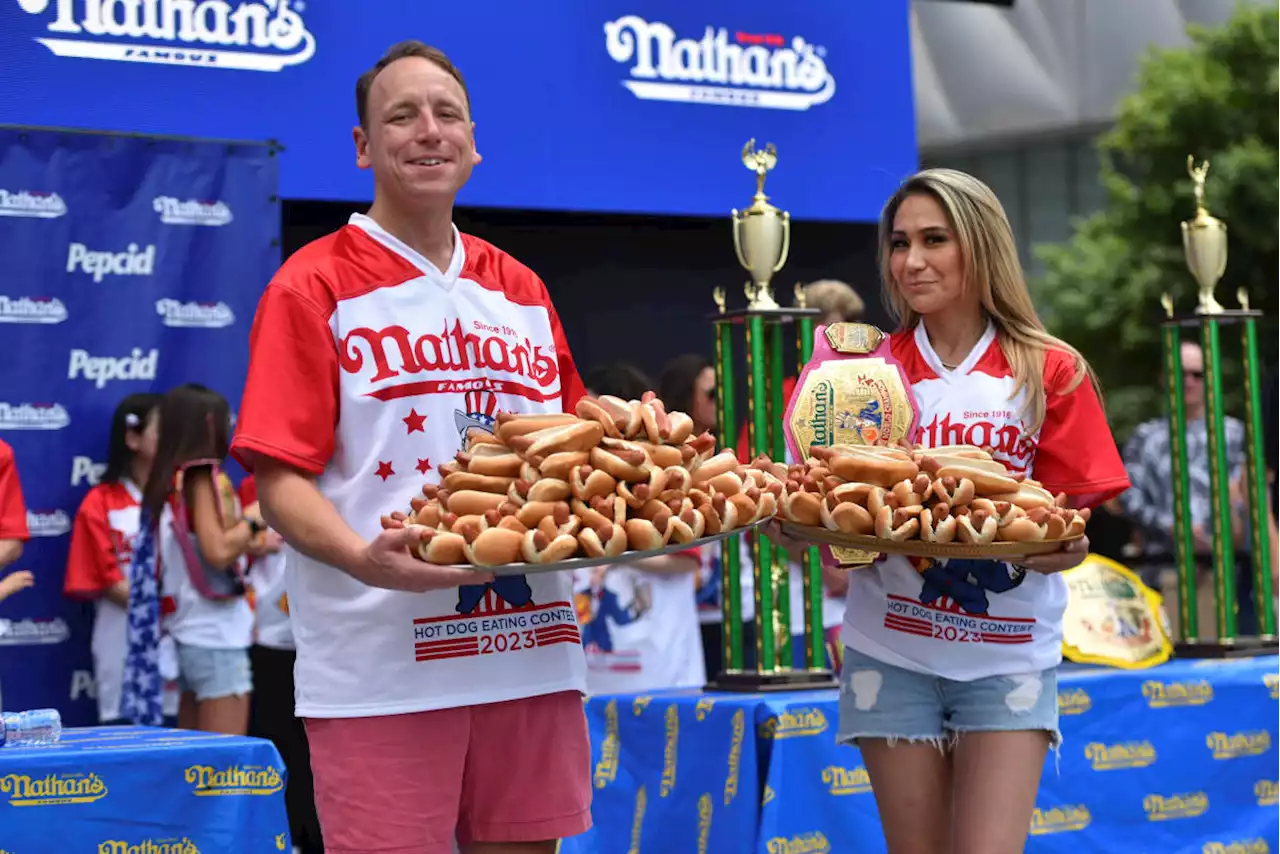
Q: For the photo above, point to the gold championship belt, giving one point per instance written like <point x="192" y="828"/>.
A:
<point x="1112" y="618"/>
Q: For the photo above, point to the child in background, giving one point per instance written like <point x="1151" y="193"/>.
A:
<point x="13" y="526"/>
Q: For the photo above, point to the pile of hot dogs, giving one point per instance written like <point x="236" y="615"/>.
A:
<point x="613" y="477"/>
<point x="954" y="494"/>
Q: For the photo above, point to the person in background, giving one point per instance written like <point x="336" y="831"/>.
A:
<point x="271" y="659"/>
<point x="639" y="621"/>
<point x="688" y="384"/>
<point x="102" y="541"/>
<point x="13" y="511"/>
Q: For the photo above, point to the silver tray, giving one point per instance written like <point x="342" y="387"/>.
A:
<point x="523" y="568"/>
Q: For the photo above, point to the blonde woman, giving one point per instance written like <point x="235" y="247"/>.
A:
<point x="949" y="678"/>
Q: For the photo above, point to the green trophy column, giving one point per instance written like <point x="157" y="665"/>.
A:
<point x="731" y="571"/>
<point x="812" y="575"/>
<point x="758" y="428"/>
<point x="777" y="450"/>
<point x="1183" y="542"/>
<point x="1224" y="566"/>
<point x="1260" y="532"/>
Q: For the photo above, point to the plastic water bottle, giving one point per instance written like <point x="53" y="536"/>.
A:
<point x="39" y="726"/>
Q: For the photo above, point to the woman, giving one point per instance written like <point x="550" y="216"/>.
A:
<point x="954" y="733"/>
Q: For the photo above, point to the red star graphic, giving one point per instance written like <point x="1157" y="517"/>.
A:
<point x="414" y="421"/>
<point x="423" y="466"/>
<point x="384" y="470"/>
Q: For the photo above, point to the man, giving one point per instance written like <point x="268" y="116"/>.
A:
<point x="1149" y="501"/>
<point x="426" y="717"/>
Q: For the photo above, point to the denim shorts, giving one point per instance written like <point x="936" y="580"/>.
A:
<point x="878" y="700"/>
<point x="214" y="673"/>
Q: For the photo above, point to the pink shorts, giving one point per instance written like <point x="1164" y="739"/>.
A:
<point x="518" y="771"/>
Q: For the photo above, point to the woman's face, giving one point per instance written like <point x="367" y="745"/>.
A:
<point x="703" y="407"/>
<point x="925" y="259"/>
<point x="143" y="442"/>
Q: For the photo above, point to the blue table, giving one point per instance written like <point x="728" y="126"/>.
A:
<point x="121" y="790"/>
<point x="1179" y="758"/>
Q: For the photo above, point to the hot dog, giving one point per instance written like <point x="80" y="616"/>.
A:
<point x="653" y="415"/>
<point x="976" y="528"/>
<point x="505" y="464"/>
<point x="879" y="469"/>
<point x="661" y="455"/>
<point x="465" y="480"/>
<point x="442" y="547"/>
<point x="493" y="547"/>
<point x="1028" y="496"/>
<point x="585" y="483"/>
<point x="985" y="482"/>
<point x="951" y="491"/>
<point x="548" y="489"/>
<point x="626" y="414"/>
<point x="536" y="548"/>
<point x="846" y="517"/>
<point x="510" y="424"/>
<point x="559" y="465"/>
<point x="589" y="409"/>
<point x="626" y="464"/>
<point x="577" y="435"/>
<point x="725" y="461"/>
<point x="470" y="502"/>
<point x="937" y="525"/>
<point x="606" y="540"/>
<point x="897" y="525"/>
<point x="681" y="428"/>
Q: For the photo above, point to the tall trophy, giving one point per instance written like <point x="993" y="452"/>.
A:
<point x="761" y="240"/>
<point x="1204" y="241"/>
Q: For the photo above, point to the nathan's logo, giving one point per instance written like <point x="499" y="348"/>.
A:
<point x="52" y="789"/>
<point x="149" y="846"/>
<point x="824" y="405"/>
<point x="1272" y="681"/>
<point x="705" y="810"/>
<point x="1266" y="792"/>
<point x="191" y="212"/>
<point x="751" y="71"/>
<point x="1074" y="702"/>
<point x="32" y="310"/>
<point x="637" y="820"/>
<point x="805" y="843"/>
<point x="193" y="315"/>
<point x="1060" y="819"/>
<point x="454" y="349"/>
<point x="48" y="523"/>
<point x="735" y="756"/>
<point x="1129" y="754"/>
<point x="793" y="723"/>
<point x="670" y="752"/>
<point x="33" y="416"/>
<point x="29" y="632"/>
<point x="1006" y="441"/>
<point x="104" y="369"/>
<point x="846" y="781"/>
<point x="28" y="204"/>
<point x="1242" y="846"/>
<point x="133" y="261"/>
<point x="266" y="35"/>
<point x="1166" y="807"/>
<point x="703" y="708"/>
<point x="607" y="767"/>
<point x="1160" y="695"/>
<point x="1238" y="744"/>
<point x="234" y="780"/>
<point x="639" y="704"/>
<point x="767" y="795"/>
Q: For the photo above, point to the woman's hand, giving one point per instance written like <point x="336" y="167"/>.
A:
<point x="15" y="581"/>
<point x="1068" y="557"/>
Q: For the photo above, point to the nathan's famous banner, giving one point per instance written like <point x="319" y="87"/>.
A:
<point x="614" y="105"/>
<point x="131" y="264"/>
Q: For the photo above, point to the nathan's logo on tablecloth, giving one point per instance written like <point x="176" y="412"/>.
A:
<point x="195" y="315"/>
<point x="793" y="723"/>
<point x="1167" y="807"/>
<point x="22" y="790"/>
<point x="1236" y="745"/>
<point x="637" y="820"/>
<point x="100" y="263"/>
<point x="1266" y="793"/>
<point x="735" y="756"/>
<point x="607" y="767"/>
<point x="48" y="523"/>
<point x="26" y="203"/>
<point x="706" y="808"/>
<point x="252" y="36"/>
<point x="703" y="708"/>
<point x="1063" y="819"/>
<point x="763" y="70"/>
<point x="29" y="632"/>
<point x="43" y="310"/>
<point x="805" y="843"/>
<point x="1160" y="695"/>
<point x="149" y="846"/>
<point x="1128" y="754"/>
<point x="846" y="781"/>
<point x="104" y="369"/>
<point x="670" y="751"/>
<point x="1241" y="846"/>
<point x="767" y="795"/>
<point x="639" y="704"/>
<point x="1075" y="701"/>
<point x="191" y="212"/>
<point x="1272" y="681"/>
<point x="234" y="780"/>
<point x="33" y="416"/>
<point x="85" y="470"/>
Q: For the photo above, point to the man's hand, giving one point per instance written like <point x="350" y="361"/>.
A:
<point x="15" y="581"/>
<point x="387" y="563"/>
<point x="1068" y="557"/>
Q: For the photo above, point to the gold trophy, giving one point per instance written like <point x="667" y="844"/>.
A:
<point x="761" y="233"/>
<point x="1204" y="241"/>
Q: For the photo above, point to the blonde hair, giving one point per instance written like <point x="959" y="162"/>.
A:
<point x="834" y="299"/>
<point x="990" y="259"/>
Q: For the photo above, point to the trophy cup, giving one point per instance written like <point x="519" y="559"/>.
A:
<point x="1204" y="240"/>
<point x="761" y="240"/>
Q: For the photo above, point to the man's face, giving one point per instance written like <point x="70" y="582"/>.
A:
<point x="420" y="141"/>
<point x="1192" y="374"/>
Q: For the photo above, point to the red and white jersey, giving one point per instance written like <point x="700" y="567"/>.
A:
<point x="970" y="619"/>
<point x="368" y="365"/>
<point x="13" y="510"/>
<point x="267" y="582"/>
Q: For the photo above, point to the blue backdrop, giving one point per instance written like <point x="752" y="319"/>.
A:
<point x="130" y="264"/>
<point x="608" y="105"/>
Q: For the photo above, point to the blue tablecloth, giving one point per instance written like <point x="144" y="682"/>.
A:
<point x="141" y="790"/>
<point x="1179" y="758"/>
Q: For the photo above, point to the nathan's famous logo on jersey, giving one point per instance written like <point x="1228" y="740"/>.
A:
<point x="234" y="780"/>
<point x="133" y="260"/>
<point x="1235" y="745"/>
<point x="30" y="632"/>
<point x="1063" y="819"/>
<point x="1161" y="695"/>
<point x="32" y="310"/>
<point x="1128" y="754"/>
<point x="26" y="203"/>
<point x="256" y="35"/>
<point x="1239" y="846"/>
<point x="23" y="790"/>
<point x="670" y="751"/>
<point x="191" y="212"/>
<point x="33" y="416"/>
<point x="752" y="70"/>
<point x="1167" y="807"/>
<point x="456" y="348"/>
<point x="804" y="843"/>
<point x="794" y="722"/>
<point x="984" y="429"/>
<point x="48" y="523"/>
<point x="104" y="369"/>
<point x="149" y="846"/>
<point x="1074" y="701"/>
<point x="846" y="781"/>
<point x="195" y="315"/>
<point x="85" y="470"/>
<point x="607" y="767"/>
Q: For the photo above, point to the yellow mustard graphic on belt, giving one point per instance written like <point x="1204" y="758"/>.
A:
<point x="51" y="789"/>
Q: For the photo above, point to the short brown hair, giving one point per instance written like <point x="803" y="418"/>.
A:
<point x="833" y="297"/>
<point x="400" y="51"/>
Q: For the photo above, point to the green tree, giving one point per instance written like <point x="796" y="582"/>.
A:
<point x="1215" y="99"/>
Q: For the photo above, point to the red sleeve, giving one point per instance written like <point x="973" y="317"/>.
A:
<point x="92" y="565"/>
<point x="571" y="387"/>
<point x="289" y="410"/>
<point x="13" y="510"/>
<point x="743" y="448"/>
<point x="248" y="491"/>
<point x="1077" y="453"/>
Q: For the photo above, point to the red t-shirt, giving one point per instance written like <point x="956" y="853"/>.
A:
<point x="102" y="540"/>
<point x="13" y="510"/>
